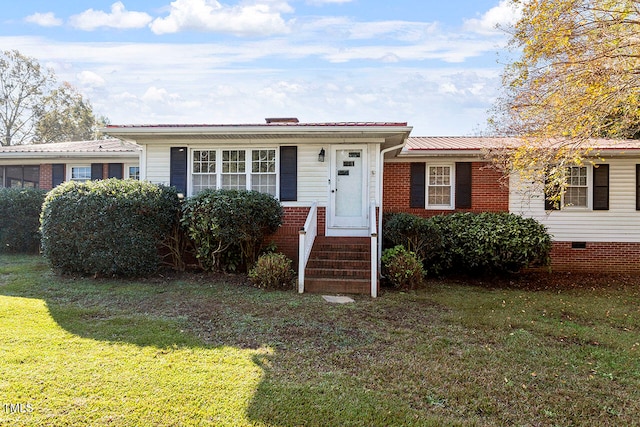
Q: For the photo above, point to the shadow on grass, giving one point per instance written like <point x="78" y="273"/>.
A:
<point x="325" y="364"/>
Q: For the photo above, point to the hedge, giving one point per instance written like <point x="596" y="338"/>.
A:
<point x="472" y="242"/>
<point x="20" y="219"/>
<point x="110" y="227"/>
<point x="228" y="227"/>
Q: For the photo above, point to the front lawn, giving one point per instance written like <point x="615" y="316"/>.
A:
<point x="209" y="350"/>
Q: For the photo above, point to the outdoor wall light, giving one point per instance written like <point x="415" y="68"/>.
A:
<point x="321" y="155"/>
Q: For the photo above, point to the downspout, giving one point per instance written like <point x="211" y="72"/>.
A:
<point x="381" y="192"/>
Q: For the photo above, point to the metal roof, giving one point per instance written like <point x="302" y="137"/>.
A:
<point x="112" y="145"/>
<point x="426" y="144"/>
<point x="270" y="124"/>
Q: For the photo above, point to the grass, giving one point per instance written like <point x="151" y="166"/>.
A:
<point x="207" y="350"/>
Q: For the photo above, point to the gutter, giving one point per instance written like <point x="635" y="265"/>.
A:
<point x="380" y="196"/>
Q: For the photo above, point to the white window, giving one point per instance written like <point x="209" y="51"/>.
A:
<point x="439" y="185"/>
<point x="577" y="191"/>
<point x="235" y="170"/>
<point x="204" y="170"/>
<point x="133" y="172"/>
<point x="263" y="171"/>
<point x="234" y="176"/>
<point x="80" y="173"/>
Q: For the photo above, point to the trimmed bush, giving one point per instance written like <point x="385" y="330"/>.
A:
<point x="472" y="243"/>
<point x="228" y="227"/>
<point x="491" y="242"/>
<point x="402" y="268"/>
<point x="418" y="235"/>
<point x="20" y="219"/>
<point x="110" y="227"/>
<point x="272" y="271"/>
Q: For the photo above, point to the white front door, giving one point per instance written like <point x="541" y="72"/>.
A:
<point x="349" y="189"/>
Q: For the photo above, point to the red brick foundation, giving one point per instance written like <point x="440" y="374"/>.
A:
<point x="287" y="236"/>
<point x="596" y="257"/>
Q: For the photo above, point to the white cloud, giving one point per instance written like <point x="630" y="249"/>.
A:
<point x="119" y="18"/>
<point x="261" y="17"/>
<point x="90" y="79"/>
<point x="44" y="19"/>
<point x="504" y="14"/>
<point x="154" y="94"/>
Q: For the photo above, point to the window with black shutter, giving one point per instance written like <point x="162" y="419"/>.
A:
<point x="116" y="170"/>
<point x="601" y="188"/>
<point x="463" y="185"/>
<point x="96" y="171"/>
<point x="57" y="174"/>
<point x="288" y="173"/>
<point x="178" y="169"/>
<point x="417" y="184"/>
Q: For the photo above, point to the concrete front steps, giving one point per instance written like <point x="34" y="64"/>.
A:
<point x="339" y="265"/>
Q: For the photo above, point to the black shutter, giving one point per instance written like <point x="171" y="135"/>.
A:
<point x="463" y="185"/>
<point x="288" y="173"/>
<point x="550" y="205"/>
<point x="417" y="182"/>
<point x="601" y="188"/>
<point x="96" y="171"/>
<point x="115" y="170"/>
<point x="178" y="169"/>
<point x="57" y="174"/>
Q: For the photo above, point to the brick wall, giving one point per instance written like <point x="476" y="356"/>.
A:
<point x="46" y="175"/>
<point x="488" y="194"/>
<point x="596" y="257"/>
<point x="287" y="236"/>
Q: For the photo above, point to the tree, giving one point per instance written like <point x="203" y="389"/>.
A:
<point x="65" y="116"/>
<point x="22" y="84"/>
<point x="34" y="109"/>
<point x="577" y="78"/>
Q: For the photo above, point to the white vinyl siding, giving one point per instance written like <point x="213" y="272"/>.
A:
<point x="313" y="176"/>
<point x="621" y="223"/>
<point x="158" y="164"/>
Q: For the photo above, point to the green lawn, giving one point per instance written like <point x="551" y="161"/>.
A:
<point x="208" y="350"/>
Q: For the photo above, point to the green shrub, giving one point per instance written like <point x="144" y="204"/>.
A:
<point x="491" y="242"/>
<point x="228" y="227"/>
<point x="470" y="242"/>
<point x="272" y="271"/>
<point x="416" y="234"/>
<point x="402" y="268"/>
<point x="110" y="227"/>
<point x="20" y="219"/>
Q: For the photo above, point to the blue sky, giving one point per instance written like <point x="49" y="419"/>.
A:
<point x="435" y="65"/>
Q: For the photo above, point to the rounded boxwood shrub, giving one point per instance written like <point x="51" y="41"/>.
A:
<point x="491" y="242"/>
<point x="272" y="271"/>
<point x="20" y="219"/>
<point x="110" y="227"/>
<point x="402" y="268"/>
<point x="418" y="235"/>
<point x="472" y="242"/>
<point x="228" y="227"/>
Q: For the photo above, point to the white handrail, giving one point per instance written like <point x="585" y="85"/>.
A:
<point x="373" y="230"/>
<point x="307" y="236"/>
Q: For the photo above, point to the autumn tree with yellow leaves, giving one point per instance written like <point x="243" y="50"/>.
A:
<point x="577" y="78"/>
